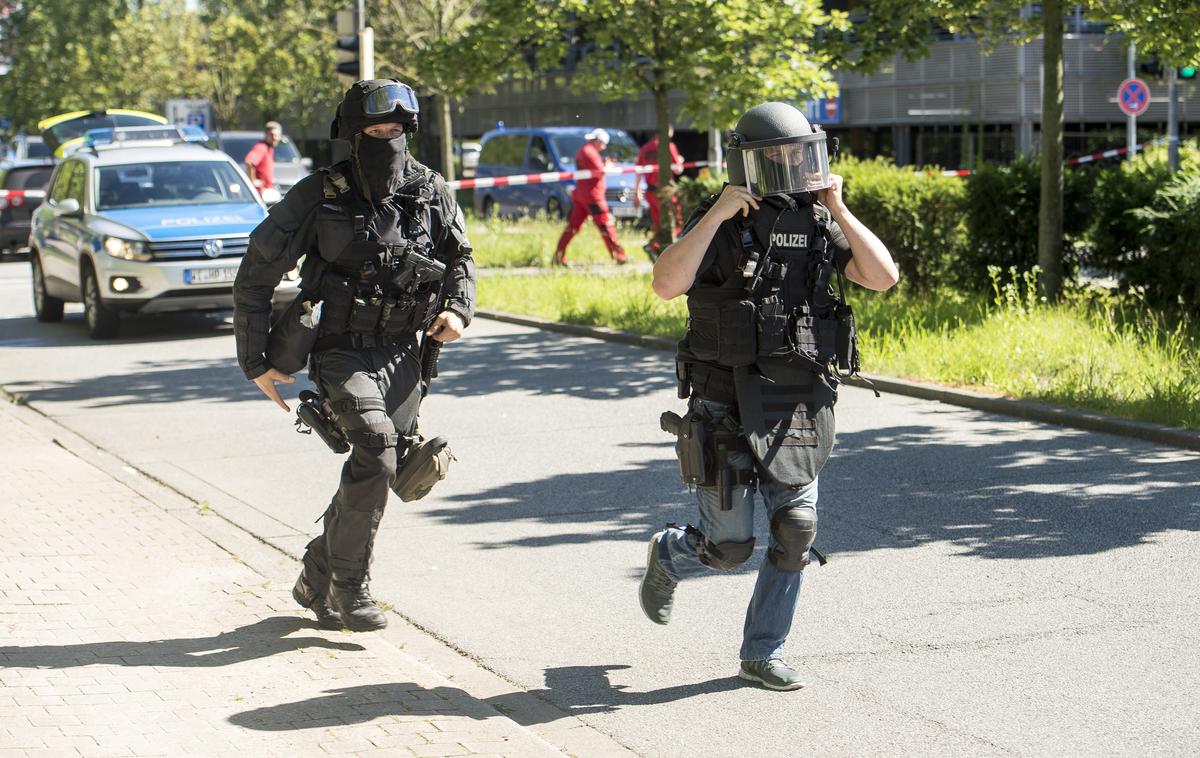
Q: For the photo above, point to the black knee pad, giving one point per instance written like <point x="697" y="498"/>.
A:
<point x="794" y="530"/>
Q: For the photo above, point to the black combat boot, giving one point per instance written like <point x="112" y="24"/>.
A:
<point x="352" y="599"/>
<point x="307" y="597"/>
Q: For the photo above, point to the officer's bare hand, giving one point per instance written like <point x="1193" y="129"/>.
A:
<point x="266" y="383"/>
<point x="447" y="327"/>
<point x="734" y="199"/>
<point x="831" y="196"/>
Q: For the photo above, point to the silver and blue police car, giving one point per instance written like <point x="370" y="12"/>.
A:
<point x="146" y="220"/>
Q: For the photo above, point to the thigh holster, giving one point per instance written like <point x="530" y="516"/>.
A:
<point x="724" y="556"/>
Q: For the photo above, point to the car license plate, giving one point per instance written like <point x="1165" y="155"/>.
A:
<point x="209" y="275"/>
<point x="625" y="211"/>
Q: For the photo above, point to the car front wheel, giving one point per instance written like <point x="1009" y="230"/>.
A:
<point x="103" y="321"/>
<point x="47" y="307"/>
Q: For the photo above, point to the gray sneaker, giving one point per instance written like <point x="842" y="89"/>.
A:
<point x="658" y="588"/>
<point x="773" y="674"/>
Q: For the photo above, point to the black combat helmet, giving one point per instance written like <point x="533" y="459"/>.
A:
<point x="773" y="150"/>
<point x="375" y="101"/>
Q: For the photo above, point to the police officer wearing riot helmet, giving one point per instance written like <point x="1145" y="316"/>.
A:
<point x="364" y="226"/>
<point x="769" y="335"/>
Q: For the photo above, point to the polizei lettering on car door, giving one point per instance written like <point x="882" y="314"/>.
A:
<point x="789" y="240"/>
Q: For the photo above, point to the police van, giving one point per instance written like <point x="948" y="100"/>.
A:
<point x="142" y="220"/>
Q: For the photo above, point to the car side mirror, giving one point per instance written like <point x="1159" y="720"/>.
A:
<point x="270" y="195"/>
<point x="306" y="163"/>
<point x="67" y="207"/>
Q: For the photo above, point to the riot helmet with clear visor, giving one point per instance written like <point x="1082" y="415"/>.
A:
<point x="786" y="166"/>
<point x="773" y="150"/>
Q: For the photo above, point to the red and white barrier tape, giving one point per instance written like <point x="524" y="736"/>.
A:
<point x="16" y="198"/>
<point x="557" y="176"/>
<point x="1069" y="162"/>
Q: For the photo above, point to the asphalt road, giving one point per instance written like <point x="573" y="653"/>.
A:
<point x="996" y="586"/>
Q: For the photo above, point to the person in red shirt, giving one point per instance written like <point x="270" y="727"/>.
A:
<point x="260" y="161"/>
<point x="588" y="199"/>
<point x="648" y="156"/>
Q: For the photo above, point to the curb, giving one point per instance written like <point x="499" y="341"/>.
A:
<point x="1060" y="415"/>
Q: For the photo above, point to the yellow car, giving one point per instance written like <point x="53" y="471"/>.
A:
<point x="66" y="131"/>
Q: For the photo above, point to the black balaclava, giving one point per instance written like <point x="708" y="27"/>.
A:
<point x="379" y="164"/>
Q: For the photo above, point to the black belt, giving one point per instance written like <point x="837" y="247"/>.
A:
<point x="357" y="341"/>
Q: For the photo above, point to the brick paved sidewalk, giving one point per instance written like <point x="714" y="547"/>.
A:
<point x="124" y="630"/>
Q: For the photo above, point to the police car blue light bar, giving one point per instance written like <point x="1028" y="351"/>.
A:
<point x="144" y="135"/>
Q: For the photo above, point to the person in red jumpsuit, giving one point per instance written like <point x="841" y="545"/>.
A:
<point x="648" y="156"/>
<point x="588" y="199"/>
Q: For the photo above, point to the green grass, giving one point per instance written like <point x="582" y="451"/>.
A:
<point x="1091" y="352"/>
<point x="531" y="242"/>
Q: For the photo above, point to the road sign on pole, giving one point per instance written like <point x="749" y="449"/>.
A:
<point x="1133" y="97"/>
<point x="190" y="113"/>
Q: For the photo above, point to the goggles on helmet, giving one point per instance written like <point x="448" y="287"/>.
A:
<point x="384" y="100"/>
<point x="786" y="165"/>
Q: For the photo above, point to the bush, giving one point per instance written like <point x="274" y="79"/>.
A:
<point x="692" y="192"/>
<point x="1002" y="219"/>
<point x="918" y="217"/>
<point x="1168" y="268"/>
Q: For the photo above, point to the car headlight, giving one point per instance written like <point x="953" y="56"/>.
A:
<point x="130" y="250"/>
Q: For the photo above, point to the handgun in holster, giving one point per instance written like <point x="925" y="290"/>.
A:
<point x="311" y="412"/>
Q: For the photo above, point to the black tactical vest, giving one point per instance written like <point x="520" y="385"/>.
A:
<point x="763" y="331"/>
<point x="375" y="273"/>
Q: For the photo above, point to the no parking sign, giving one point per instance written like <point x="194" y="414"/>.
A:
<point x="1133" y="97"/>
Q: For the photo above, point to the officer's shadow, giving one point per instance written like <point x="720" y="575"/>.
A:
<point x="261" y="639"/>
<point x="580" y="690"/>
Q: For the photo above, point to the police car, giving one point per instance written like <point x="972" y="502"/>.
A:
<point x="146" y="220"/>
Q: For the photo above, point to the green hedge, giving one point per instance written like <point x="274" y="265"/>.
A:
<point x="918" y="216"/>
<point x="1168" y="269"/>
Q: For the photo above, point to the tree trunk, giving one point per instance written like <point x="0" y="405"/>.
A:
<point x="1050" y="212"/>
<point x="664" y="232"/>
<point x="447" y="135"/>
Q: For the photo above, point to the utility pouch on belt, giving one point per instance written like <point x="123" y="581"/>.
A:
<point x="423" y="465"/>
<point x="293" y="334"/>
<point x="312" y="413"/>
<point x="691" y="447"/>
<point x="847" y="340"/>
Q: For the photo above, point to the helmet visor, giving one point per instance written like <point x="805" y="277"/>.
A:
<point x="787" y="167"/>
<point x="385" y="99"/>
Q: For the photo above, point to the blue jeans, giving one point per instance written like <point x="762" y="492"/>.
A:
<point x="773" y="604"/>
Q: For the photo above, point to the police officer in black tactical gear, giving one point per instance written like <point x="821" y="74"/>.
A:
<point x="769" y="335"/>
<point x="370" y="230"/>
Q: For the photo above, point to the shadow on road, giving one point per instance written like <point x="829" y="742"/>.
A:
<point x="545" y="363"/>
<point x="27" y="331"/>
<point x="581" y="690"/>
<point x="258" y="640"/>
<point x="1006" y="497"/>
<point x="153" y="382"/>
<point x="358" y="705"/>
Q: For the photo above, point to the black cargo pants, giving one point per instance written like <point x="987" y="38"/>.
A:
<point x="375" y="394"/>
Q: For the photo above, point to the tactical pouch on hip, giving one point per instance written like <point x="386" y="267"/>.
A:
<point x="337" y="293"/>
<point x="826" y="329"/>
<point x="364" y="315"/>
<point x="293" y="334"/>
<point x="692" y="447"/>
<point x="424" y="464"/>
<point x="737" y="339"/>
<point x="847" y="340"/>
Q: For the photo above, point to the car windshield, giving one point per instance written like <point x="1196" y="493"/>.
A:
<point x="139" y="185"/>
<point x="621" y="147"/>
<point x="77" y="127"/>
<point x="32" y="178"/>
<point x="237" y="147"/>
